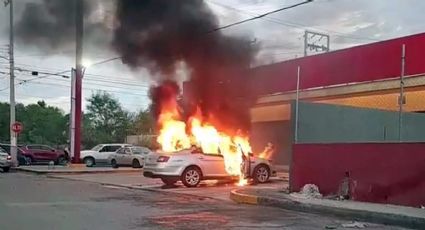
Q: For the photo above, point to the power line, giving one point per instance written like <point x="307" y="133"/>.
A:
<point x="87" y="74"/>
<point x="293" y="24"/>
<point x="259" y="16"/>
<point x="107" y="60"/>
<point x="95" y="79"/>
<point x="122" y="83"/>
<point x="23" y="81"/>
<point x="102" y="78"/>
<point x="61" y="103"/>
<point x="278" y="54"/>
<point x="36" y="78"/>
<point x="96" y="89"/>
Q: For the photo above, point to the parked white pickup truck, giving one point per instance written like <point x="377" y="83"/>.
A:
<point x="100" y="153"/>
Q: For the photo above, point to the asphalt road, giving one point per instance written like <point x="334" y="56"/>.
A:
<point x="37" y="202"/>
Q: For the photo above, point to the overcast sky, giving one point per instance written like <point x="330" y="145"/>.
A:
<point x="348" y="23"/>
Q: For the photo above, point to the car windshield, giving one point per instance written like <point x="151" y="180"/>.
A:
<point x="97" y="147"/>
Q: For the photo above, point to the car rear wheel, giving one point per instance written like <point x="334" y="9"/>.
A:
<point x="191" y="176"/>
<point x="29" y="160"/>
<point x="6" y="169"/>
<point x="61" y="161"/>
<point x="136" y="164"/>
<point x="89" y="161"/>
<point x="168" y="181"/>
<point x="114" y="163"/>
<point x="261" y="174"/>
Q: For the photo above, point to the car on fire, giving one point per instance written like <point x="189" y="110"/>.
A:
<point x="192" y="166"/>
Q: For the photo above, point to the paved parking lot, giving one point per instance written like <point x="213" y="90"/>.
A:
<point x="213" y="189"/>
<point x="30" y="201"/>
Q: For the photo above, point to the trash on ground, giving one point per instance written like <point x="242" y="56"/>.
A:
<point x="308" y="191"/>
<point x="354" y="224"/>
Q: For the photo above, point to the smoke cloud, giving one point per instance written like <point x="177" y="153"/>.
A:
<point x="160" y="34"/>
<point x="50" y="24"/>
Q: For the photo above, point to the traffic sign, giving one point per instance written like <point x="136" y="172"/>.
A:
<point x="17" y="127"/>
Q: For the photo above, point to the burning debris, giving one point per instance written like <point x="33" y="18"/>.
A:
<point x="177" y="133"/>
<point x="268" y="151"/>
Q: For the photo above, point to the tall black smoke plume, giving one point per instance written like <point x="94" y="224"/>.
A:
<point x="160" y="34"/>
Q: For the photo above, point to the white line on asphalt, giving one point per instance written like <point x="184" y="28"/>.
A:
<point x="58" y="203"/>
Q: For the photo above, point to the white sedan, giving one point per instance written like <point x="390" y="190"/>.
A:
<point x="100" y="153"/>
<point x="133" y="156"/>
<point x="192" y="167"/>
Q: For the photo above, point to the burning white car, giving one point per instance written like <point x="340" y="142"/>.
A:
<point x="192" y="166"/>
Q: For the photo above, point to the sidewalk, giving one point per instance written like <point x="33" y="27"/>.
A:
<point x="73" y="169"/>
<point x="370" y="212"/>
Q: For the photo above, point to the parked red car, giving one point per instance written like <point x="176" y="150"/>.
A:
<point x="43" y="153"/>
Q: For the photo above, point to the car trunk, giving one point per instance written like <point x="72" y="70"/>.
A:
<point x="152" y="158"/>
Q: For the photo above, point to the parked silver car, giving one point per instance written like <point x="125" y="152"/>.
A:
<point x="193" y="166"/>
<point x="5" y="160"/>
<point x="100" y="153"/>
<point x="133" y="156"/>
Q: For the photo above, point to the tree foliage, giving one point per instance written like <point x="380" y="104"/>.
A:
<point x="104" y="121"/>
<point x="144" y="123"/>
<point x="42" y="124"/>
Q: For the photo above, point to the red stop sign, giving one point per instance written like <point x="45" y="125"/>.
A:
<point x="17" y="127"/>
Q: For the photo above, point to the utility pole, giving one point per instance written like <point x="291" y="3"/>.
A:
<point x="13" y="135"/>
<point x="297" y="100"/>
<point x="79" y="29"/>
<point x="313" y="41"/>
<point x="305" y="43"/>
<point x="401" y="99"/>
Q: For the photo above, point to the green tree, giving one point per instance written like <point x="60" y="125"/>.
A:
<point x="144" y="123"/>
<point x="4" y="121"/>
<point x="106" y="121"/>
<point x="42" y="124"/>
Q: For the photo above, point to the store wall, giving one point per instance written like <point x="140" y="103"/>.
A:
<point x="378" y="172"/>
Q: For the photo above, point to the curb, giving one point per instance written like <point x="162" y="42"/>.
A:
<point x="243" y="198"/>
<point x="44" y="172"/>
<point x="365" y="215"/>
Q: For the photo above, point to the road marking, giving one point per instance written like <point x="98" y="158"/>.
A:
<point x="56" y="203"/>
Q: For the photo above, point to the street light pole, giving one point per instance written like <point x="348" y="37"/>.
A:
<point x="79" y="23"/>
<point x="13" y="135"/>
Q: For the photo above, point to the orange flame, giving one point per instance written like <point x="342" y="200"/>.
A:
<point x="174" y="136"/>
<point x="267" y="152"/>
